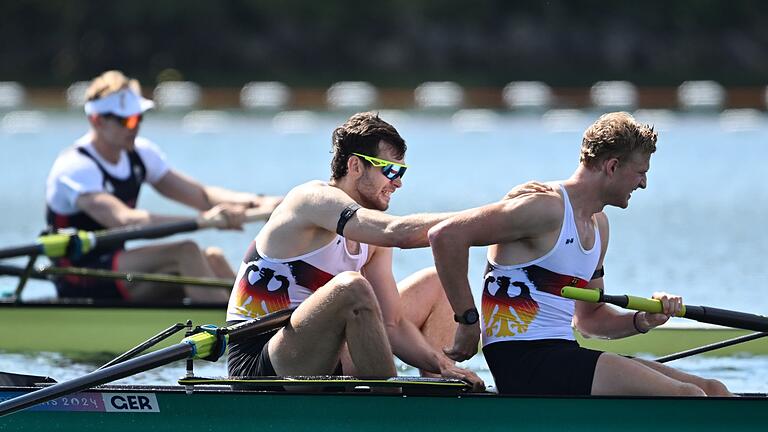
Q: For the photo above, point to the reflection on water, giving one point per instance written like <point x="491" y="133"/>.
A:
<point x="743" y="374"/>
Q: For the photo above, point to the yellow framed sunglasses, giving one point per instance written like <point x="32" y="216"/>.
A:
<point x="391" y="170"/>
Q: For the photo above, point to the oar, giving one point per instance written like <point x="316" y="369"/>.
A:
<point x="703" y="314"/>
<point x="711" y="347"/>
<point x="60" y="244"/>
<point x="208" y="344"/>
<point x="48" y="273"/>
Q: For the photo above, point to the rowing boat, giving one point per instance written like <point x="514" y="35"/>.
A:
<point x="132" y="408"/>
<point x="341" y="404"/>
<point x="94" y="332"/>
<point x="99" y="331"/>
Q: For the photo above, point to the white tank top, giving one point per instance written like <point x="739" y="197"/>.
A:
<point x="523" y="302"/>
<point x="265" y="284"/>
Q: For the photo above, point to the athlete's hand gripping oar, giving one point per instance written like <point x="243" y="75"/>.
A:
<point x="703" y="314"/>
<point x="208" y="344"/>
<point x="61" y="244"/>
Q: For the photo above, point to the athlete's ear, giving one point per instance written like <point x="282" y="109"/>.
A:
<point x="354" y="165"/>
<point x="611" y="165"/>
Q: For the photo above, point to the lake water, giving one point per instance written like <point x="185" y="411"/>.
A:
<point x="696" y="230"/>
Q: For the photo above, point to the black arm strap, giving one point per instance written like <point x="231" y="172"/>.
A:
<point x="345" y="216"/>
<point x="598" y="273"/>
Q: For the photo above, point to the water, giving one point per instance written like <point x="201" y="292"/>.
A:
<point x="745" y="374"/>
<point x="696" y="230"/>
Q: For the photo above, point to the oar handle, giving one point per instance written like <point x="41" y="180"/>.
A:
<point x="586" y="295"/>
<point x="60" y="244"/>
<point x="625" y="301"/>
<point x="705" y="314"/>
<point x="642" y="304"/>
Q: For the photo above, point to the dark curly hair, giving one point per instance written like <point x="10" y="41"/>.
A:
<point x="362" y="134"/>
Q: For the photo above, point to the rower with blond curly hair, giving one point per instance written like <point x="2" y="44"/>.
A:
<point x="541" y="242"/>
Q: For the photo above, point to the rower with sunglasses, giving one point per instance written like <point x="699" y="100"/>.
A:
<point x="95" y="184"/>
<point x="327" y="250"/>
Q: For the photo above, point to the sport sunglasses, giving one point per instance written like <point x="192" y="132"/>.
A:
<point x="391" y="170"/>
<point x="130" y="122"/>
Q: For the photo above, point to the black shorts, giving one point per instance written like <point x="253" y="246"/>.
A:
<point x="542" y="367"/>
<point x="71" y="286"/>
<point x="250" y="358"/>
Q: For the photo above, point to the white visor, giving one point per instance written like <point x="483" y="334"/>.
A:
<point x="124" y="103"/>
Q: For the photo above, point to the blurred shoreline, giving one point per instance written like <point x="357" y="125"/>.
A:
<point x="755" y="97"/>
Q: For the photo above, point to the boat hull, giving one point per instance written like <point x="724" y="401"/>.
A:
<point x="99" y="332"/>
<point x="95" y="333"/>
<point x="132" y="408"/>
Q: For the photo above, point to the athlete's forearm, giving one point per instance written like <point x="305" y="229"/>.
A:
<point x="452" y="262"/>
<point x="411" y="231"/>
<point x="113" y="216"/>
<point x="606" y="322"/>
<point x="218" y="195"/>
<point x="409" y="345"/>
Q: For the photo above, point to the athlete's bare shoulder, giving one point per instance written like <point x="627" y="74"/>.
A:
<point x="312" y="186"/>
<point x="310" y="207"/>
<point x="318" y="192"/>
<point x="548" y="200"/>
<point x="299" y="197"/>
<point x="545" y="209"/>
<point x="527" y="188"/>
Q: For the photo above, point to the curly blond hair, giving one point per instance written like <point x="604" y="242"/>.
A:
<point x="616" y="135"/>
<point x="110" y="82"/>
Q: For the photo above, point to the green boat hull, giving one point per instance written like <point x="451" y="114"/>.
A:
<point x="99" y="333"/>
<point x="93" y="332"/>
<point x="143" y="408"/>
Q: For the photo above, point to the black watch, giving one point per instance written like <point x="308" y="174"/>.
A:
<point x="469" y="317"/>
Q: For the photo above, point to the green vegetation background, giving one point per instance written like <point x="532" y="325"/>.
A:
<point x="392" y="43"/>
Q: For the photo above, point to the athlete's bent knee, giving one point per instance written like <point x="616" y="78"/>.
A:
<point x="355" y="290"/>
<point x="432" y="279"/>
<point x="713" y="387"/>
<point x="187" y="248"/>
<point x="214" y="252"/>
<point x="687" y="389"/>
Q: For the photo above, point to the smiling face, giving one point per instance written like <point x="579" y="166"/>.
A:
<point x="626" y="176"/>
<point x="374" y="189"/>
